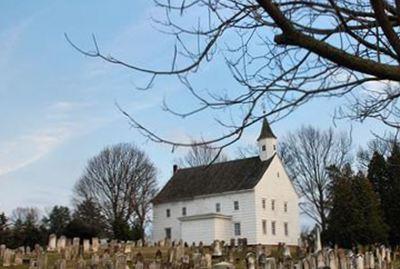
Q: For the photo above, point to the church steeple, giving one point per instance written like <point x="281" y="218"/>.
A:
<point x="266" y="141"/>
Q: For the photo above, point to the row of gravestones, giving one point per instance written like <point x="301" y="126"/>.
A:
<point x="332" y="258"/>
<point x="179" y="258"/>
<point x="93" y="245"/>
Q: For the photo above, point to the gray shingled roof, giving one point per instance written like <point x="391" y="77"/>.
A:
<point x="227" y="176"/>
<point x="266" y="131"/>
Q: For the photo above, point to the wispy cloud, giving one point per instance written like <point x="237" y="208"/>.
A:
<point x="32" y="145"/>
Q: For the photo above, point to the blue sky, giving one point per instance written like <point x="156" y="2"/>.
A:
<point x="57" y="107"/>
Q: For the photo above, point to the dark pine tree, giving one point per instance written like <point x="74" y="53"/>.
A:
<point x="371" y="229"/>
<point x="392" y="202"/>
<point x="343" y="217"/>
<point x="58" y="220"/>
<point x="355" y="216"/>
<point x="377" y="174"/>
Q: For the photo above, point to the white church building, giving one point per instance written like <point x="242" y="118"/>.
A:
<point x="249" y="198"/>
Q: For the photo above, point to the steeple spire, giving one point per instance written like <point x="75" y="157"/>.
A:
<point x="266" y="131"/>
<point x="266" y="141"/>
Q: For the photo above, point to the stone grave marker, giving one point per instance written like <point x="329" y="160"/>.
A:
<point x="52" y="246"/>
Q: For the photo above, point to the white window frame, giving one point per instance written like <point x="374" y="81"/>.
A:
<point x="170" y="232"/>
<point x="184" y="211"/>
<point x="264" y="226"/>
<point x="168" y="212"/>
<point x="264" y="203"/>
<point x="236" y="205"/>
<point x="273" y="227"/>
<point x="237" y="229"/>
<point x="286" y="228"/>
<point x="217" y="207"/>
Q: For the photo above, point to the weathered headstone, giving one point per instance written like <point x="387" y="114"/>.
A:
<point x="52" y="246"/>
<point x="2" y="249"/>
<point x="217" y="250"/>
<point x="251" y="260"/>
<point x="61" y="243"/>
<point x="86" y="246"/>
<point x="7" y="257"/>
<point x="95" y="244"/>
<point x="18" y="257"/>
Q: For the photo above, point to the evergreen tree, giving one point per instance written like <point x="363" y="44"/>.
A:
<point x="341" y="220"/>
<point x="58" y="219"/>
<point x="377" y="174"/>
<point x="371" y="228"/>
<point x="392" y="202"/>
<point x="87" y="221"/>
<point x="355" y="217"/>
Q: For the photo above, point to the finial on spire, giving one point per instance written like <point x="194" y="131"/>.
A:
<point x="266" y="131"/>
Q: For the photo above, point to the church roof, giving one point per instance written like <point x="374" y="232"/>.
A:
<point x="236" y="175"/>
<point x="266" y="131"/>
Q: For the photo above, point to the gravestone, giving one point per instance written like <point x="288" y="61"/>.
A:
<point x="52" y="246"/>
<point x="86" y="246"/>
<point x="317" y="240"/>
<point x="196" y="260"/>
<point x="185" y="261"/>
<point x="320" y="260"/>
<point x="18" y="257"/>
<point x="95" y="244"/>
<point x="270" y="263"/>
<point x="217" y="250"/>
<point x="2" y="249"/>
<point x="7" y="257"/>
<point x="360" y="261"/>
<point x="42" y="261"/>
<point x="286" y="252"/>
<point x="61" y="243"/>
<point x="332" y="260"/>
<point x="251" y="260"/>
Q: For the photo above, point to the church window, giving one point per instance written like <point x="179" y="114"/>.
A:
<point x="264" y="226"/>
<point x="286" y="226"/>
<point x="274" y="147"/>
<point x="285" y="207"/>
<point x="272" y="205"/>
<point x="168" y="233"/>
<point x="264" y="148"/>
<point x="183" y="211"/>
<point x="218" y="207"/>
<point x="273" y="228"/>
<point x="236" y="205"/>
<point x="168" y="212"/>
<point x="237" y="229"/>
<point x="263" y="203"/>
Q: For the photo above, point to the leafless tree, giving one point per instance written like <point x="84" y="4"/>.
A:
<point x="282" y="54"/>
<point x="307" y="153"/>
<point x="201" y="154"/>
<point x="381" y="144"/>
<point x="121" y="179"/>
<point x="25" y="215"/>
